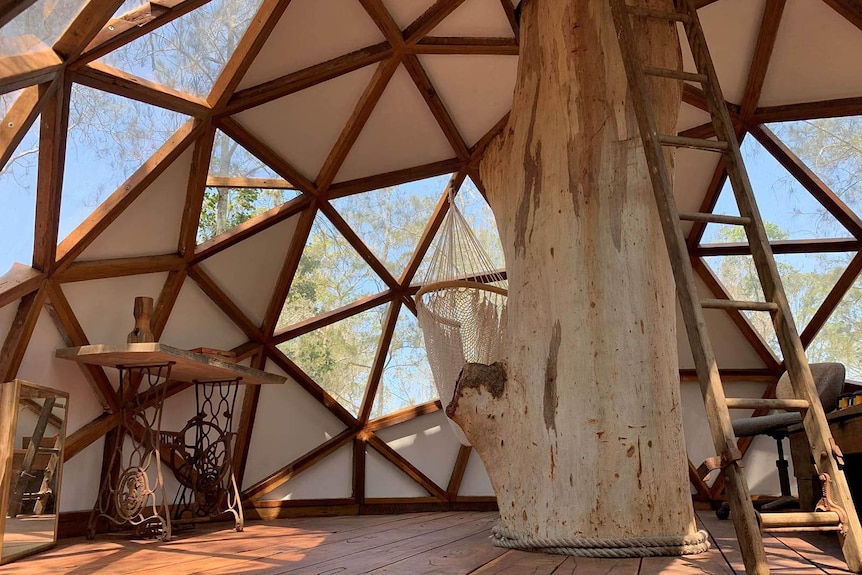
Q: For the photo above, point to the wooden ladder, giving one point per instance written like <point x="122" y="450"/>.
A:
<point x="841" y="514"/>
<point x="19" y="482"/>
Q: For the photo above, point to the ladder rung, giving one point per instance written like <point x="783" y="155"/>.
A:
<point x="714" y="218"/>
<point x="737" y="304"/>
<point x="676" y="74"/>
<point x="696" y="143"/>
<point x="759" y="403"/>
<point x="795" y="520"/>
<point x="48" y="450"/>
<point x="659" y="14"/>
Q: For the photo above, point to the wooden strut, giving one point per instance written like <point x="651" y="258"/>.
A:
<point x="746" y="521"/>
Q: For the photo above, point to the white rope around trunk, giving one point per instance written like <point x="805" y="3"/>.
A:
<point x="604" y="547"/>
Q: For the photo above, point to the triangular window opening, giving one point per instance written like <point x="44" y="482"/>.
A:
<point x="330" y="275"/>
<point x="38" y="27"/>
<point x="230" y="160"/>
<point x="109" y="138"/>
<point x="391" y="220"/>
<point x="479" y="216"/>
<point x="339" y="356"/>
<point x="18" y="198"/>
<point x="224" y="208"/>
<point x="789" y="212"/>
<point x="406" y="379"/>
<point x="838" y="339"/>
<point x="128" y="6"/>
<point x="832" y="149"/>
<point x="189" y="53"/>
<point x="807" y="280"/>
<point x="239" y="187"/>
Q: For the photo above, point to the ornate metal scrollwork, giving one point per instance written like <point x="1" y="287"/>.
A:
<point x="205" y="448"/>
<point x="136" y="495"/>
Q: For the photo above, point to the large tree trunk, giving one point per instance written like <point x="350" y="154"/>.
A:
<point x="581" y="431"/>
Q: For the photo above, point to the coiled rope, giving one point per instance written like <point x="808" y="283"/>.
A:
<point x="604" y="547"/>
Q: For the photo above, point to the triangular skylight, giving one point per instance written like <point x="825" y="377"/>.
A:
<point x="128" y="6"/>
<point x="18" y="198"/>
<point x="189" y="53"/>
<point x="39" y="26"/>
<point x="330" y="275"/>
<point x="109" y="138"/>
<point x="224" y="208"/>
<point x="832" y="149"/>
<point x="391" y="220"/>
<point x="239" y="187"/>
<point x="406" y="379"/>
<point x="339" y="356"/>
<point x="230" y="160"/>
<point x="481" y="219"/>
<point x="839" y="339"/>
<point x="807" y="280"/>
<point x="739" y="278"/>
<point x="787" y="209"/>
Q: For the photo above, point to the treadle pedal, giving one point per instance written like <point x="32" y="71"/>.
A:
<point x="675" y="74"/>
<point x="694" y="143"/>
<point x="799" y="521"/>
<point x="758" y="403"/>
<point x="150" y="528"/>
<point x="738" y="304"/>
<point x="714" y="218"/>
<point x="657" y="14"/>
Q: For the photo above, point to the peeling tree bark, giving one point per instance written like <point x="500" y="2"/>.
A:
<point x="583" y="438"/>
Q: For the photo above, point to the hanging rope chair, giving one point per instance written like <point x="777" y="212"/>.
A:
<point x="461" y="307"/>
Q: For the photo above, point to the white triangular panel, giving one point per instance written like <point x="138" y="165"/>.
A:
<point x="690" y="117"/>
<point x="382" y="479"/>
<point x="303" y="127"/>
<point x="330" y="478"/>
<point x="248" y="271"/>
<point x="405" y="12"/>
<point x="40" y="366"/>
<point x="81" y="476"/>
<point x="732" y="350"/>
<point x="816" y="57"/>
<point x="693" y="172"/>
<point x="476" y="18"/>
<point x="7" y="316"/>
<point x="731" y="28"/>
<point x="311" y="32"/>
<point x="476" y="90"/>
<point x="286" y="412"/>
<point x="475" y="481"/>
<point x="400" y="133"/>
<point x="428" y="443"/>
<point x="104" y="307"/>
<point x="151" y="224"/>
<point x="196" y="321"/>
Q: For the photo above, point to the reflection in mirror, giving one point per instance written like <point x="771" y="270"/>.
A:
<point x="32" y="434"/>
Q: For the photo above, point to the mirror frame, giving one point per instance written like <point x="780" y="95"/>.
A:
<point x="11" y="394"/>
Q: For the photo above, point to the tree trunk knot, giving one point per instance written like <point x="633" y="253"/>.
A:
<point x="478" y="375"/>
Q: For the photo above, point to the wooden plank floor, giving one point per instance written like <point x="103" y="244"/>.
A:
<point x="417" y="544"/>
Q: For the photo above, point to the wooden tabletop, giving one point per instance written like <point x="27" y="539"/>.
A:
<point x="188" y="366"/>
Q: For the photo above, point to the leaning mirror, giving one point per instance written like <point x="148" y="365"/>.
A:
<point x="32" y="433"/>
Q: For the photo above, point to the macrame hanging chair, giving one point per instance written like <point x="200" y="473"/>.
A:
<point x="461" y="306"/>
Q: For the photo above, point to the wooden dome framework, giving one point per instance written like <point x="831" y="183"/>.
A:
<point x="46" y="79"/>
